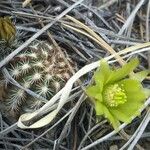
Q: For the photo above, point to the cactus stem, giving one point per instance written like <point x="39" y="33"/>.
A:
<point x="23" y="55"/>
<point x="44" y="90"/>
<point x="25" y="66"/>
<point x="33" y="55"/>
<point x="38" y="64"/>
<point x="56" y="86"/>
<point x="48" y="78"/>
<point x="15" y="71"/>
<point x="36" y="77"/>
<point x="16" y="98"/>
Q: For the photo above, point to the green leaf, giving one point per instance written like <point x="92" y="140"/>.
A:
<point x="140" y="76"/>
<point x="123" y="72"/>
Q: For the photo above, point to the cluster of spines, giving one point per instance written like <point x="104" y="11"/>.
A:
<point x="41" y="69"/>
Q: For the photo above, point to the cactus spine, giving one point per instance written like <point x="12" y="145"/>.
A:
<point x="41" y="69"/>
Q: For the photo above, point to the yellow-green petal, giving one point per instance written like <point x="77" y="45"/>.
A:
<point x="92" y="90"/>
<point x="102" y="74"/>
<point x="101" y="109"/>
<point x="123" y="72"/>
<point x="134" y="91"/>
<point x="120" y="115"/>
<point x="127" y="111"/>
<point x="130" y="85"/>
<point x="140" y="76"/>
<point x="135" y="100"/>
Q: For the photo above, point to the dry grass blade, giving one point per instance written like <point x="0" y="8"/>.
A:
<point x="10" y="56"/>
<point x="94" y="36"/>
<point x="25" y="3"/>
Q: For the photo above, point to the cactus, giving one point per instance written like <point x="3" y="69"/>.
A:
<point x="39" y="68"/>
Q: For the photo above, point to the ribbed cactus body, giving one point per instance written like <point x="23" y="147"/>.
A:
<point x="39" y="68"/>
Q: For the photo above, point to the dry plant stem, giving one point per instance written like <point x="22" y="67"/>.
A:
<point x="54" y="147"/>
<point x="9" y="129"/>
<point x="94" y="39"/>
<point x="108" y="4"/>
<point x="141" y="27"/>
<point x="99" y="40"/>
<point x="89" y="132"/>
<point x="97" y="14"/>
<point x="139" y="129"/>
<point x="75" y="136"/>
<point x="72" y="115"/>
<point x="33" y="16"/>
<point x="10" y="56"/>
<point x="147" y="22"/>
<point x="77" y="13"/>
<point x="90" y="118"/>
<point x="126" y="137"/>
<point x="48" y="130"/>
<point x="95" y="28"/>
<point x="79" y="53"/>
<point x="102" y="139"/>
<point x="25" y="3"/>
<point x="131" y="17"/>
<point x="148" y="30"/>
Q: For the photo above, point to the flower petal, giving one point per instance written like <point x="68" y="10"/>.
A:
<point x="135" y="98"/>
<point x="121" y="116"/>
<point x="101" y="109"/>
<point x="130" y="85"/>
<point x="134" y="91"/>
<point x="102" y="74"/>
<point x="92" y="91"/>
<point x="140" y="76"/>
<point x="123" y="72"/>
<point x="126" y="112"/>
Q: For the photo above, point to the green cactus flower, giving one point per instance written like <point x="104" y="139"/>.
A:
<point x="117" y="95"/>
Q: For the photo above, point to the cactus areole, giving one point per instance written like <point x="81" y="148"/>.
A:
<point x="39" y="68"/>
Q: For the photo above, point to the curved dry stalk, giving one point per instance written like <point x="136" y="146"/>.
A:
<point x="64" y="93"/>
<point x="91" y="34"/>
